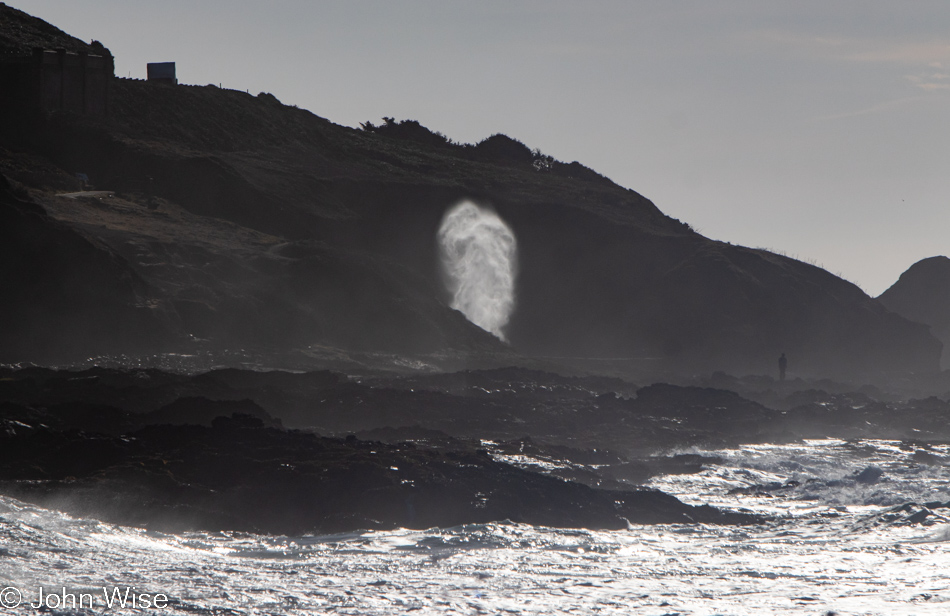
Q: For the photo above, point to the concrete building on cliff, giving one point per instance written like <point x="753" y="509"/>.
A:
<point x="48" y="80"/>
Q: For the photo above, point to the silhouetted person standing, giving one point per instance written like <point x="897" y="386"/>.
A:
<point x="782" y="365"/>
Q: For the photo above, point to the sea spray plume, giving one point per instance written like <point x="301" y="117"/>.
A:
<point x="479" y="254"/>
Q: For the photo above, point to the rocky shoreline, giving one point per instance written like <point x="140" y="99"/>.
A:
<point x="237" y="474"/>
<point x="288" y="452"/>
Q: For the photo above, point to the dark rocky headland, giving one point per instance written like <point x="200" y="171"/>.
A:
<point x="214" y="228"/>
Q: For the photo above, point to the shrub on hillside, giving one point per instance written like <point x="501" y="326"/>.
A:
<point x="408" y="130"/>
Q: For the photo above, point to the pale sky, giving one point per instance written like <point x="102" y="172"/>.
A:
<point x="819" y="129"/>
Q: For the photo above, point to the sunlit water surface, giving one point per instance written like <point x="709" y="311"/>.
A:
<point x="839" y="544"/>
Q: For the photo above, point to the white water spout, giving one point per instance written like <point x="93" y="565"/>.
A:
<point x="479" y="254"/>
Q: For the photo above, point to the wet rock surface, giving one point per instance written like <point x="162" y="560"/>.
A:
<point x="286" y="452"/>
<point x="176" y="452"/>
<point x="239" y="475"/>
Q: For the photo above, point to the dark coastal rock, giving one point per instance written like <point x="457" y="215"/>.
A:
<point x="767" y="489"/>
<point x="559" y="418"/>
<point x="907" y="514"/>
<point x="240" y="475"/>
<point x="103" y="441"/>
<point x="869" y="475"/>
<point x="203" y="412"/>
<point x="918" y="516"/>
<point x="925" y="457"/>
<point x="201" y="462"/>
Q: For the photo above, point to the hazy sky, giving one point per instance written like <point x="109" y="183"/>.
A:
<point x="819" y="129"/>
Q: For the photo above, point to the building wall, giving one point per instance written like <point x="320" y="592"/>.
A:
<point x="57" y="81"/>
<point x="98" y="74"/>
<point x="51" y="81"/>
<point x="74" y="82"/>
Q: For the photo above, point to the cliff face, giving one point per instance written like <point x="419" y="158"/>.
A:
<point x="258" y="223"/>
<point x="66" y="297"/>
<point x="922" y="294"/>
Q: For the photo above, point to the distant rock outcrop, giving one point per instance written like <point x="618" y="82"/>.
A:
<point x="922" y="294"/>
